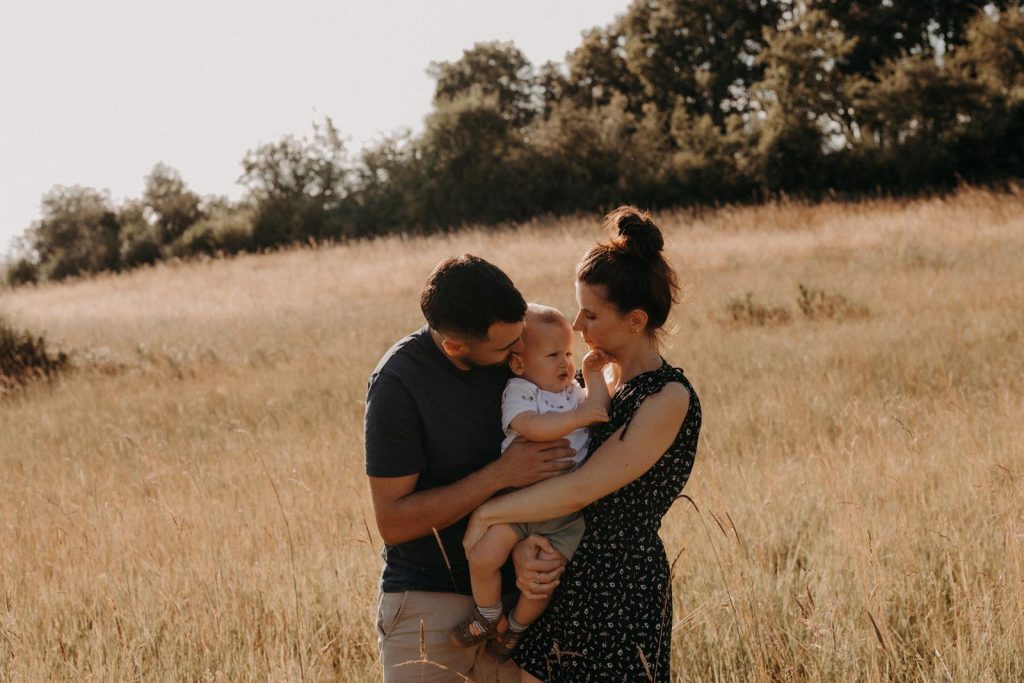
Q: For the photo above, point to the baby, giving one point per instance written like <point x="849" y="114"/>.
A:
<point x="542" y="403"/>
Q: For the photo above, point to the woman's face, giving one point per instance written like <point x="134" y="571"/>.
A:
<point x="600" y="323"/>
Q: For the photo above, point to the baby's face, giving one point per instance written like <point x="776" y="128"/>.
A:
<point x="547" y="357"/>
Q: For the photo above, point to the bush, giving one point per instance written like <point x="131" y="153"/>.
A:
<point x="24" y="358"/>
<point x="140" y="244"/>
<point x="817" y="304"/>
<point x="22" y="272"/>
<point x="224" y="231"/>
<point x="746" y="311"/>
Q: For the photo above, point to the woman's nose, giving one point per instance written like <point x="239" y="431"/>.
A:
<point x="577" y="322"/>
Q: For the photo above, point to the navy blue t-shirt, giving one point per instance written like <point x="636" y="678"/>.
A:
<point x="425" y="416"/>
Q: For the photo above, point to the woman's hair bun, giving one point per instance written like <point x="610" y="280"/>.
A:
<point x="635" y="231"/>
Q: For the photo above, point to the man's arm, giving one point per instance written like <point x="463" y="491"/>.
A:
<point x="404" y="514"/>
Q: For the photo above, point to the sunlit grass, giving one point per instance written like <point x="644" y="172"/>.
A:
<point x="190" y="502"/>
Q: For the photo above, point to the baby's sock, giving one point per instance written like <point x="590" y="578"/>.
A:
<point x="491" y="614"/>
<point x="514" y="626"/>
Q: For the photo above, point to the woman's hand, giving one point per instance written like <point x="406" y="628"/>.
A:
<point x="538" y="567"/>
<point x="476" y="529"/>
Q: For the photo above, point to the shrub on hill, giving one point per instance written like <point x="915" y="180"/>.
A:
<point x="22" y="272"/>
<point x="24" y="358"/>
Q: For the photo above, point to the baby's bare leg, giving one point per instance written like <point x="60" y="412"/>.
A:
<point x="527" y="610"/>
<point x="486" y="559"/>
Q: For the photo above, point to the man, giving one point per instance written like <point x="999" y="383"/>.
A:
<point x="433" y="437"/>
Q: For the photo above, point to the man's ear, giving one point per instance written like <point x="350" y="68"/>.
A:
<point x="515" y="364"/>
<point x="455" y="348"/>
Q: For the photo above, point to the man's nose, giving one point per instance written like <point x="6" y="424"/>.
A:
<point x="518" y="346"/>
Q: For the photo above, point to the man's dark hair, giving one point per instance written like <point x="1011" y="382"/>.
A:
<point x="465" y="295"/>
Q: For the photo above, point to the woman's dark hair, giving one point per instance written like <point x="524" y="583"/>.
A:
<point x="465" y="295"/>
<point x="631" y="267"/>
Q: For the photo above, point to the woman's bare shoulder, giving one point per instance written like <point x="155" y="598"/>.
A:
<point x="668" y="404"/>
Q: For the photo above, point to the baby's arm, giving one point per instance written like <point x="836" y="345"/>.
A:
<point x="597" y="393"/>
<point x="594" y="408"/>
<point x="551" y="426"/>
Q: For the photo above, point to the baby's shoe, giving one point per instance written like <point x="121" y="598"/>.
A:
<point x="501" y="647"/>
<point x="475" y="629"/>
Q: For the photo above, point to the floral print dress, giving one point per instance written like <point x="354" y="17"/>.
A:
<point x="611" y="616"/>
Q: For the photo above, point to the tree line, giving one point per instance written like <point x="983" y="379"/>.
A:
<point x="674" y="102"/>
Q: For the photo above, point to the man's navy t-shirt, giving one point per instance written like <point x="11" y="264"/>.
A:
<point x="425" y="416"/>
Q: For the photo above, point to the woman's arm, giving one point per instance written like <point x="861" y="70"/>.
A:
<point x="612" y="466"/>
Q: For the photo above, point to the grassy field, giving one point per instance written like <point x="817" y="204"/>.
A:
<point x="189" y="503"/>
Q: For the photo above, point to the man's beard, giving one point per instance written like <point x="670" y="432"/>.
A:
<point x="479" y="366"/>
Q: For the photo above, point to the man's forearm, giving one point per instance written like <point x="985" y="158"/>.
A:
<point x="419" y="513"/>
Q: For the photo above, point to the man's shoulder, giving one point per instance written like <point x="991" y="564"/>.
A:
<point x="405" y="355"/>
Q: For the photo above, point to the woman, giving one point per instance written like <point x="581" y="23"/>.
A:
<point x="611" y="617"/>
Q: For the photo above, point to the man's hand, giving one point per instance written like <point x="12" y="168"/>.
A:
<point x="527" y="462"/>
<point x="538" y="567"/>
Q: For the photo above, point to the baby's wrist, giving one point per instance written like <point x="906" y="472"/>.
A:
<point x="578" y="419"/>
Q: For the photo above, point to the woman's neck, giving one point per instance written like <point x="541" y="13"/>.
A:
<point x="638" y="359"/>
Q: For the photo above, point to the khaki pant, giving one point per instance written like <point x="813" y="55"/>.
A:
<point x="399" y="619"/>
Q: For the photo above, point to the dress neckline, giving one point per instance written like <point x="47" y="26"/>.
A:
<point x="664" y="364"/>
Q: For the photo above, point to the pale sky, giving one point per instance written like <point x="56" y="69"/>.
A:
<point x="96" y="93"/>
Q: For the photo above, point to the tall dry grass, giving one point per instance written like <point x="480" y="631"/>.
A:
<point x="190" y="503"/>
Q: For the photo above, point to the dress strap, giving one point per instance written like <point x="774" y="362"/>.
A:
<point x="646" y="385"/>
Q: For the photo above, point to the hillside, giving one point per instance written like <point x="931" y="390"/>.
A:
<point x="189" y="502"/>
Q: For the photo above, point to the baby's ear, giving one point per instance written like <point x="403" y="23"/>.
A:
<point x="515" y="364"/>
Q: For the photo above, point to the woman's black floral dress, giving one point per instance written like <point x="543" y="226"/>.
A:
<point x="611" y="617"/>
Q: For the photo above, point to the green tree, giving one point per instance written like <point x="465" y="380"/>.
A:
<point x="469" y="158"/>
<point x="299" y="186"/>
<point x="140" y="239"/>
<point x="802" y="98"/>
<point x="598" y="70"/>
<point x="226" y="228"/>
<point x="387" y="184"/>
<point x="913" y="117"/>
<point x="994" y="52"/>
<point x="710" y="163"/>
<point x="888" y="30"/>
<point x="993" y="146"/>
<point x="553" y="85"/>
<point x="174" y="206"/>
<point x="496" y="70"/>
<point x="703" y="52"/>
<point x="584" y="156"/>
<point x="77" y="234"/>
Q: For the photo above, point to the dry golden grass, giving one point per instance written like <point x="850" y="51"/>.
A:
<point x="190" y="503"/>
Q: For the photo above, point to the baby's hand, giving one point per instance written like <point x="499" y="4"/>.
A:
<point x="589" y="412"/>
<point x="595" y="360"/>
